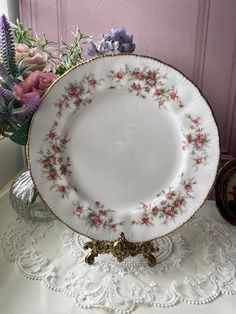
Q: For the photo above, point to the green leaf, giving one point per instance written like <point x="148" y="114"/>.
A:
<point x="5" y="85"/>
<point x="23" y="34"/>
<point x="22" y="67"/>
<point x="2" y="101"/>
<point x="21" y="135"/>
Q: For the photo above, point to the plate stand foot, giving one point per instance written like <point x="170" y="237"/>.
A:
<point x="121" y="249"/>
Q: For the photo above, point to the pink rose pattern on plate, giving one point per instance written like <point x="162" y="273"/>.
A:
<point x="54" y="166"/>
<point x="141" y="82"/>
<point x="196" y="140"/>
<point x="77" y="94"/>
<point x="96" y="216"/>
<point x="145" y="82"/>
<point x="172" y="204"/>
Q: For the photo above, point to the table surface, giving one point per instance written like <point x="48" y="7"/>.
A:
<point x="19" y="295"/>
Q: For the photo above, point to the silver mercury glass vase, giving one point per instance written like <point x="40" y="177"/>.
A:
<point x="25" y="199"/>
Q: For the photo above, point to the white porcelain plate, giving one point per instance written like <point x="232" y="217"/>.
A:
<point x="123" y="143"/>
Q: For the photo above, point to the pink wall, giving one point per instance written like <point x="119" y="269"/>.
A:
<point x="196" y="36"/>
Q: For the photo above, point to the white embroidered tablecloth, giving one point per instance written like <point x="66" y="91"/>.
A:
<point x="42" y="270"/>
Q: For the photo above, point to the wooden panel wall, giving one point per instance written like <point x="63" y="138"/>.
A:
<point x="196" y="36"/>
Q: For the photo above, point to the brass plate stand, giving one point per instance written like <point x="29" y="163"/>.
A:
<point x="121" y="249"/>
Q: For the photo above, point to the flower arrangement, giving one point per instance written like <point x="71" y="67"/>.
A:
<point x="30" y="64"/>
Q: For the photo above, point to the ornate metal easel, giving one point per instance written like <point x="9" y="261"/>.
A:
<point x="121" y="249"/>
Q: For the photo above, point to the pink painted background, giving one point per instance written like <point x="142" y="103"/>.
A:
<point x="196" y="36"/>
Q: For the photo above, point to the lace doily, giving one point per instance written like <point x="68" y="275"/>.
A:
<point x="195" y="265"/>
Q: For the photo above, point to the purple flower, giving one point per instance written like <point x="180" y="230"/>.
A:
<point x="116" y="41"/>
<point x="118" y="34"/>
<point x="7" y="95"/>
<point x="92" y="51"/>
<point x="125" y="41"/>
<point x="29" y="107"/>
<point x="7" y="47"/>
<point x="103" y="47"/>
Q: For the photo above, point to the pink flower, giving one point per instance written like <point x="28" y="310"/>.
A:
<point x="21" y="48"/>
<point x="62" y="189"/>
<point x="138" y="75"/>
<point x="63" y="169"/>
<point x="173" y="95"/>
<point x="96" y="219"/>
<point x="64" y="141"/>
<point x="47" y="162"/>
<point x="189" y="139"/>
<point x="72" y="91"/>
<point x="56" y="149"/>
<point x="31" y="56"/>
<point x="161" y="102"/>
<point x="113" y="226"/>
<point x="169" y="195"/>
<point x="78" y="101"/>
<point x="153" y="76"/>
<point x="195" y="121"/>
<point x="155" y="210"/>
<point x="145" y="220"/>
<point x="36" y="84"/>
<point x="51" y="135"/>
<point x="79" y="209"/>
<point x="150" y="82"/>
<point x="179" y="202"/>
<point x="92" y="82"/>
<point x="170" y="212"/>
<point x="136" y="87"/>
<point x="200" y="138"/>
<point x="198" y="161"/>
<point x="119" y="75"/>
<point x="158" y="91"/>
<point x="102" y="212"/>
<point x="53" y="174"/>
<point x="188" y="186"/>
